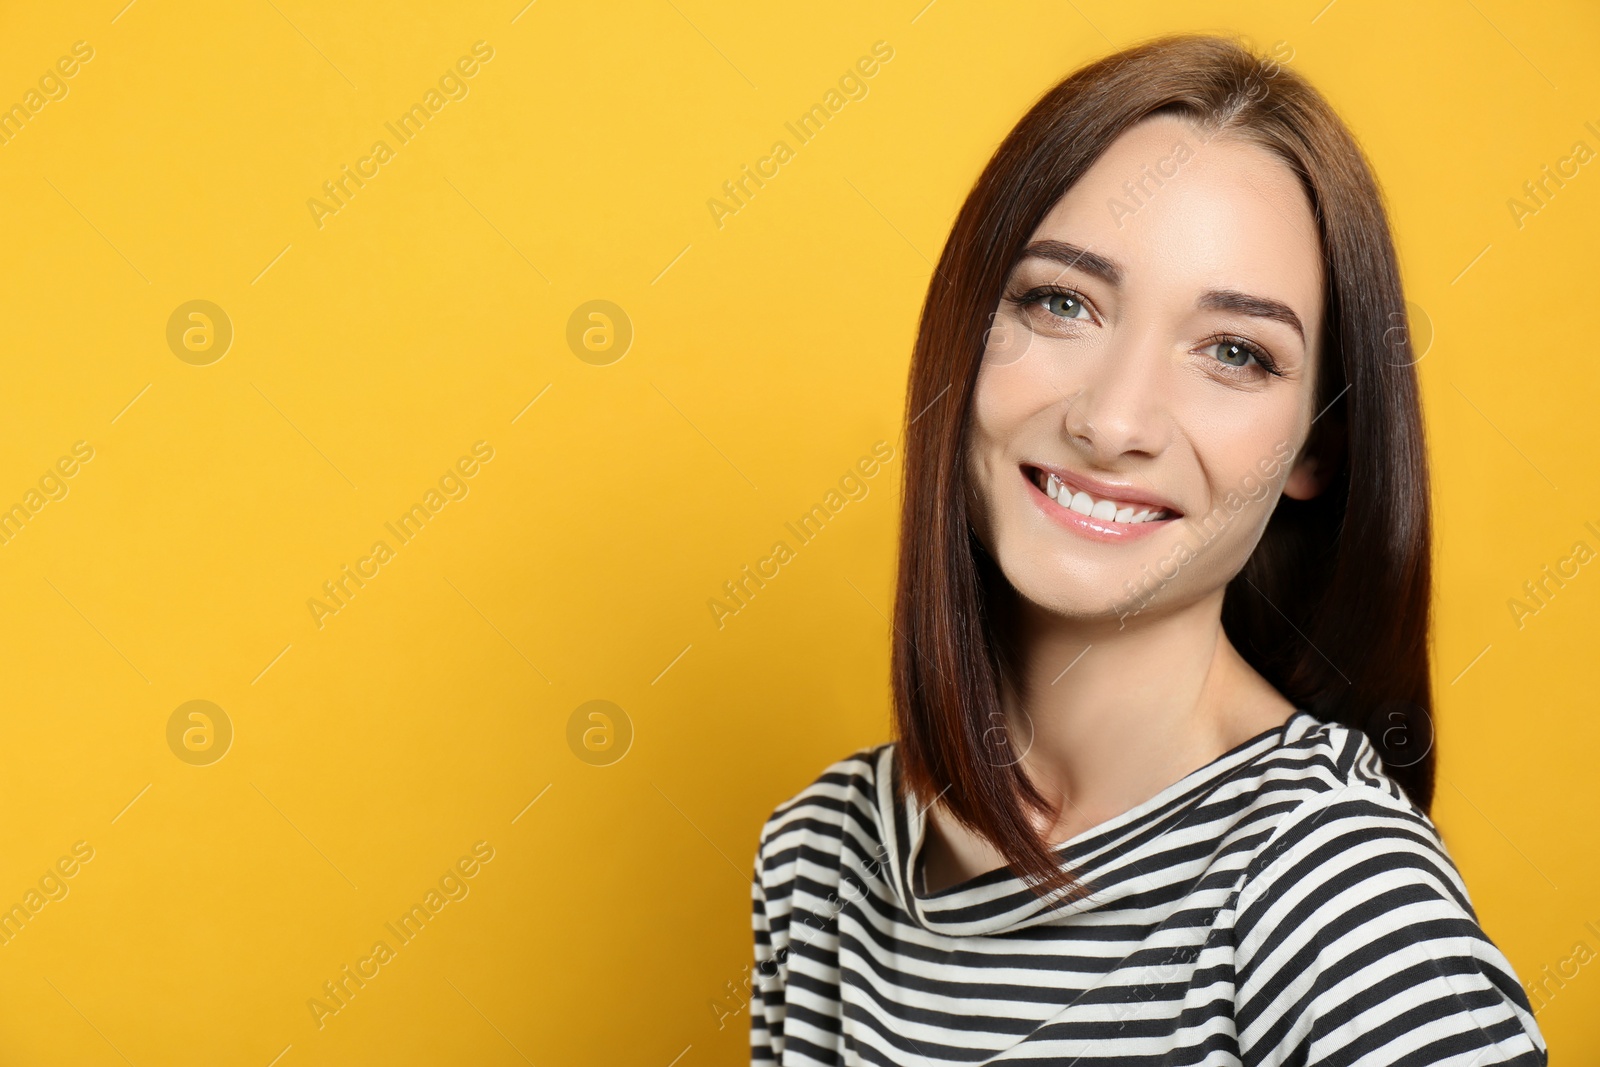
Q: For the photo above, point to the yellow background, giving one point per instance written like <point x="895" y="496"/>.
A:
<point x="768" y="355"/>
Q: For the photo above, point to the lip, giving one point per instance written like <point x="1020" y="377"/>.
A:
<point x="1103" y="530"/>
<point x="1127" y="494"/>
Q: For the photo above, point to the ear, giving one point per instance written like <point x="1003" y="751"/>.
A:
<point x="1315" y="465"/>
<point x="1307" y="479"/>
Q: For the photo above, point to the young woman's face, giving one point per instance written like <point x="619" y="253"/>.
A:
<point x="1154" y="356"/>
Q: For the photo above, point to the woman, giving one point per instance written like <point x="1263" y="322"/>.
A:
<point x="1163" y="754"/>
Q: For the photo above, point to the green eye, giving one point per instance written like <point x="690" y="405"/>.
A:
<point x="1061" y="304"/>
<point x="1064" y="305"/>
<point x="1237" y="354"/>
<point x="1234" y="354"/>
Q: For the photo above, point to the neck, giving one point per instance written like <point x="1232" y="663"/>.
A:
<point x="1116" y="713"/>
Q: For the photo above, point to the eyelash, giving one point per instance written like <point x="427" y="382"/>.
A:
<point x="1255" y="351"/>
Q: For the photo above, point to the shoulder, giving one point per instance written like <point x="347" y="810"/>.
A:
<point x="1333" y="799"/>
<point x="1340" y="825"/>
<point x="1354" y="932"/>
<point x="842" y="794"/>
<point x="1315" y="758"/>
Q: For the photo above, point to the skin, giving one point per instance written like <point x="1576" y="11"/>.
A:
<point x="1120" y="696"/>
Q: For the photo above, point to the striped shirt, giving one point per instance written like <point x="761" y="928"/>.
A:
<point x="1284" y="904"/>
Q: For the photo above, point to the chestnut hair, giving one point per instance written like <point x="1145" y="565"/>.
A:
<point x="1332" y="606"/>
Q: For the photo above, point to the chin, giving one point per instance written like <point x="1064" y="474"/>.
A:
<point x="1064" y="585"/>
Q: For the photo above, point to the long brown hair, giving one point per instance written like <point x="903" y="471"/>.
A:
<point x="1332" y="606"/>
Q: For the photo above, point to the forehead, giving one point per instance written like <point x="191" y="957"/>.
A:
<point x="1181" y="214"/>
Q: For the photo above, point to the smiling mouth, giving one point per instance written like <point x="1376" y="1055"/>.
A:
<point x="1104" y="509"/>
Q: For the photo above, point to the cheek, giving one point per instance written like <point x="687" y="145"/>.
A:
<point x="1006" y="340"/>
<point x="991" y="435"/>
<point x="979" y="461"/>
<point x="1234" y="440"/>
<point x="1245" y="472"/>
<point x="1009" y="398"/>
<point x="996" y="420"/>
<point x="1235" y="461"/>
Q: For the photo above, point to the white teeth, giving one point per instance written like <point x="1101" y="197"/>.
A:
<point x="1105" y="510"/>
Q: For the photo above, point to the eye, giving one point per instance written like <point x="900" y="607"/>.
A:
<point x="1064" y="305"/>
<point x="1060" y="303"/>
<point x="1236" y="354"/>
<point x="1233" y="353"/>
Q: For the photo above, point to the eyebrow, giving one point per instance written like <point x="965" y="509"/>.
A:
<point x="1070" y="255"/>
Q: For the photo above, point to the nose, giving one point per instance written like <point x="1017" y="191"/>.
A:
<point x="1123" y="405"/>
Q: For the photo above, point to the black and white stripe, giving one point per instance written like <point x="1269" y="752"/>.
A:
<point x="1284" y="904"/>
